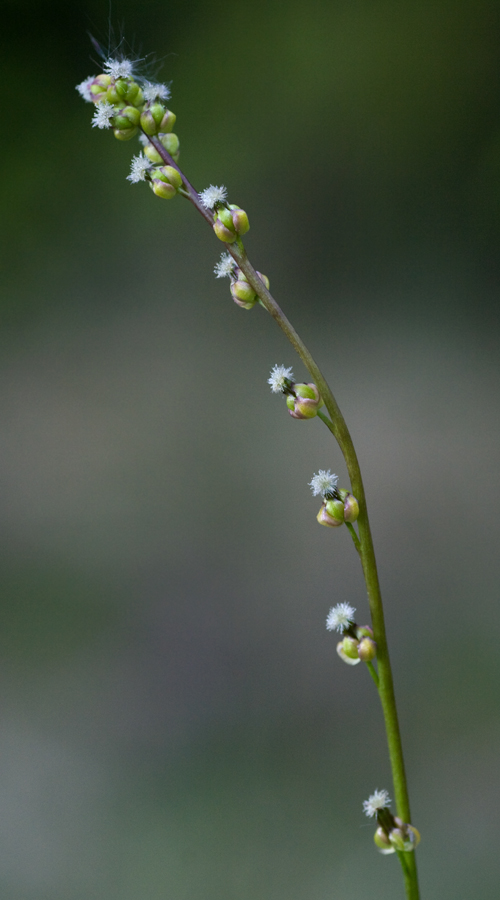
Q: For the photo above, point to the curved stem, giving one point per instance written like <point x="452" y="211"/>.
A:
<point x="338" y="427"/>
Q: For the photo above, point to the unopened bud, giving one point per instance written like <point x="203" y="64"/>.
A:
<point x="305" y="403"/>
<point x="367" y="649"/>
<point x="168" y="122"/>
<point x="223" y="226"/>
<point x="364" y="631"/>
<point x="168" y="173"/>
<point x="350" y="647"/>
<point x="240" y="219"/>
<point x="344" y="657"/>
<point x="163" y="189"/>
<point x="382" y="841"/>
<point x="99" y="87"/>
<point x="324" y="517"/>
<point x="397" y="838"/>
<point x="127" y="117"/>
<point x="243" y="294"/>
<point x="125" y="134"/>
<point x="171" y="144"/>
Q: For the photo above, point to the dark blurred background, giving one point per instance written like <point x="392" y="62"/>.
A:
<point x="174" y="719"/>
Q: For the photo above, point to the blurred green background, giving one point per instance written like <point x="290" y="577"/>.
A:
<point x="175" y="722"/>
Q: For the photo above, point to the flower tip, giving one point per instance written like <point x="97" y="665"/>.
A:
<point x="84" y="89"/>
<point x="118" y="68"/>
<point x="378" y="800"/>
<point x="340" y="617"/>
<point x="278" y="378"/>
<point x="324" y="482"/>
<point x="213" y="195"/>
<point x="225" y="267"/>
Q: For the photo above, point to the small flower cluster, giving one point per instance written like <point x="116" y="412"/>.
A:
<point x="338" y="505"/>
<point x="242" y="292"/>
<point x="357" y="644"/>
<point x="230" y="221"/>
<point x="303" y="400"/>
<point x="392" y="833"/>
<point x="131" y="105"/>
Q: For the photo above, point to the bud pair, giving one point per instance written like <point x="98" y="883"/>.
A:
<point x="155" y="118"/>
<point x="125" y="90"/>
<point x="242" y="292"/>
<point x="400" y="837"/>
<point x="361" y="648"/>
<point x="98" y="88"/>
<point x="303" y="401"/>
<point x="125" y="123"/>
<point x="171" y="144"/>
<point x="165" y="182"/>
<point x="229" y="222"/>
<point x="343" y="507"/>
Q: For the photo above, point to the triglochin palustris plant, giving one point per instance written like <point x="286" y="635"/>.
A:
<point x="130" y="105"/>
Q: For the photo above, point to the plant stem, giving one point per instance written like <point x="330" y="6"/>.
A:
<point x="339" y="429"/>
<point x="354" y="537"/>
<point x="373" y="673"/>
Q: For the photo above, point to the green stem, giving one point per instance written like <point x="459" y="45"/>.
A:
<point x="354" y="537"/>
<point x="339" y="429"/>
<point x="373" y="672"/>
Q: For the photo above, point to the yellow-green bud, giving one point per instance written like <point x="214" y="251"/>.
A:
<point x="351" y="508"/>
<point x="240" y="219"/>
<point x="243" y="294"/>
<point x="350" y="647"/>
<point x="305" y="403"/>
<point x="364" y="631"/>
<point x="168" y="173"/>
<point x="171" y="144"/>
<point x="344" y="657"/>
<point x="128" y="117"/>
<point x="152" y="154"/>
<point x="163" y="189"/>
<point x="99" y="87"/>
<point x="148" y="123"/>
<point x="367" y="649"/>
<point x="335" y="509"/>
<point x="125" y="134"/>
<point x="397" y="838"/>
<point x="324" y="518"/>
<point x="168" y="122"/>
<point x="226" y="218"/>
<point x="381" y="840"/>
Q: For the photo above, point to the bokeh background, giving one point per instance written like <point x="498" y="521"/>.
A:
<point x="174" y="719"/>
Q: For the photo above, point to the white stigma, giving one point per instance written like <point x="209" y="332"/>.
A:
<point x="225" y="267"/>
<point x="340" y="617"/>
<point x="118" y="68"/>
<point x="279" y="375"/>
<point x="84" y="89"/>
<point x="212" y="195"/>
<point x="378" y="800"/>
<point x="103" y="115"/>
<point x="155" y="91"/>
<point x="323" y="483"/>
<point x="138" y="168"/>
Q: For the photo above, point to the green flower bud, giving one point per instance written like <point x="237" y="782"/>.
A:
<point x="121" y="88"/>
<point x="171" y="144"/>
<point x="99" y="87"/>
<point x="344" y="657"/>
<point x="168" y="173"/>
<point x="148" y="123"/>
<point x="240" y="219"/>
<point x="128" y="117"/>
<point x="243" y="294"/>
<point x="168" y="122"/>
<point x="324" y="517"/>
<point x="364" y="631"/>
<point x="125" y="134"/>
<point x="305" y="403"/>
<point x="223" y="233"/>
<point x="335" y="509"/>
<point x="226" y="218"/>
<point x="350" y="647"/>
<point x="382" y="841"/>
<point x="152" y="154"/>
<point x="162" y="188"/>
<point x="351" y="509"/>
<point x="367" y="649"/>
<point x="397" y="838"/>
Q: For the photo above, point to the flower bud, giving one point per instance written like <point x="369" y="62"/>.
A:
<point x="99" y="87"/>
<point x="367" y="649"/>
<point x="351" y="507"/>
<point x="168" y="122"/>
<point x="397" y="838"/>
<point x="127" y="117"/>
<point x="343" y="655"/>
<point x="382" y="841"/>
<point x="350" y="647"/>
<point x="168" y="173"/>
<point x="335" y="509"/>
<point x="152" y="154"/>
<point x="324" y="517"/>
<point x="125" y="134"/>
<point x="305" y="403"/>
<point x="148" y="123"/>
<point x="364" y="631"/>
<point x="171" y="144"/>
<point x="223" y="226"/>
<point x="243" y="294"/>
<point x="240" y="219"/>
